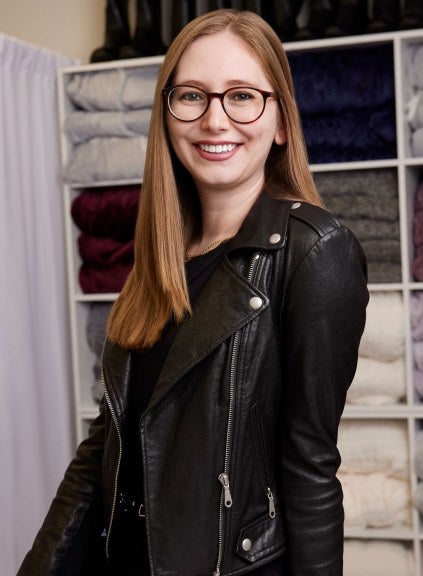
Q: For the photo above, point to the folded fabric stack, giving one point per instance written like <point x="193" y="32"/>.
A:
<point x="367" y="202"/>
<point x="377" y="558"/>
<point x="346" y="125"/>
<point x="416" y="320"/>
<point x="109" y="125"/>
<point x="106" y="220"/>
<point x="418" y="497"/>
<point x="380" y="378"/>
<point x="417" y="234"/>
<point x="95" y="334"/>
<point x="374" y="473"/>
<point x="414" y="94"/>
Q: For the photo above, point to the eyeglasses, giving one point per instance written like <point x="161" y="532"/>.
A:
<point x="241" y="104"/>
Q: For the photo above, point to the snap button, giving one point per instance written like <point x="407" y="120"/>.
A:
<point x="274" y="238"/>
<point x="295" y="205"/>
<point x="246" y="544"/>
<point x="256" y="302"/>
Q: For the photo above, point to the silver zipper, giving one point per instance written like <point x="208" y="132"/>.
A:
<point x="272" y="511"/>
<point x="226" y="497"/>
<point x="116" y="422"/>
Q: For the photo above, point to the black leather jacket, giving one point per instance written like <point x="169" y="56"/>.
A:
<point x="239" y="439"/>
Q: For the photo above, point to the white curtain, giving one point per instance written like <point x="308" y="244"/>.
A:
<point x="36" y="422"/>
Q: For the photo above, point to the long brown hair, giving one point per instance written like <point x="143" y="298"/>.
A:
<point x="156" y="289"/>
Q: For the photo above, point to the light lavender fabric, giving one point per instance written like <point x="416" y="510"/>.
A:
<point x="416" y="310"/>
<point x="81" y="126"/>
<point x="107" y="159"/>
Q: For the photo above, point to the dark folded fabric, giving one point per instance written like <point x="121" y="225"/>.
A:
<point x="418" y="197"/>
<point x="320" y="78"/>
<point x="105" y="251"/>
<point x="351" y="136"/>
<point x="95" y="280"/>
<point x="367" y="229"/>
<point x="110" y="212"/>
<point x="418" y="227"/>
<point x="417" y="266"/>
<point x="383" y="272"/>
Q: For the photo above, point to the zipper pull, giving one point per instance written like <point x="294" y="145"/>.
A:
<point x="224" y="480"/>
<point x="272" y="511"/>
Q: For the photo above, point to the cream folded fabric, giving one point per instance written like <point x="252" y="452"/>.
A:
<point x="378" y="383"/>
<point x="375" y="501"/>
<point x="372" y="446"/>
<point x="377" y="558"/>
<point x="384" y="335"/>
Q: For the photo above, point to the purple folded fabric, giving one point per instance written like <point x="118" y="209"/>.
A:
<point x="105" y="251"/>
<point x="110" y="212"/>
<point x="95" y="280"/>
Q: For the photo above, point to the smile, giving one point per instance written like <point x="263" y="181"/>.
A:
<point x="217" y="148"/>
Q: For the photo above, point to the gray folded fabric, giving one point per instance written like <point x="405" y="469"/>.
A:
<point x="95" y="332"/>
<point x="415" y="110"/>
<point x="383" y="272"/>
<point x="367" y="229"/>
<point x="82" y="126"/>
<point x="417" y="143"/>
<point x="382" y="250"/>
<point x="362" y="206"/>
<point x="118" y="89"/>
<point x="373" y="183"/>
<point x="107" y="159"/>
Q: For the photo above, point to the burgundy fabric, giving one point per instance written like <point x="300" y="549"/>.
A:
<point x="105" y="251"/>
<point x="93" y="279"/>
<point x="418" y="197"/>
<point x="418" y="228"/>
<point x="108" y="212"/>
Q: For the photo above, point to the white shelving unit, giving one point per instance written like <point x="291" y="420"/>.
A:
<point x="409" y="172"/>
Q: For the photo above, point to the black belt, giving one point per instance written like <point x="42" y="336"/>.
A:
<point x="130" y="505"/>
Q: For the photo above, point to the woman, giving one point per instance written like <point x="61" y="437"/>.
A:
<point x="232" y="345"/>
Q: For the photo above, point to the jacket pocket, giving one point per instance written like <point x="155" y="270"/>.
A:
<point x="262" y="460"/>
<point x="260" y="538"/>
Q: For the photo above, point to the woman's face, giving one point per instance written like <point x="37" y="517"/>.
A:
<point x="215" y="63"/>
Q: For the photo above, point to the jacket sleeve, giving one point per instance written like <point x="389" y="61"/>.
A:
<point x="72" y="529"/>
<point x="322" y="321"/>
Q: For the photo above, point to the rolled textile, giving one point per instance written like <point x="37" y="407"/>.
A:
<point x="378" y="383"/>
<point x="383" y="272"/>
<point x="417" y="264"/>
<point x="416" y="313"/>
<point x="351" y="136"/>
<point x="416" y="70"/>
<point x="417" y="143"/>
<point x="110" y="212"/>
<point x="384" y="335"/>
<point x="117" y="89"/>
<point x="378" y="184"/>
<point x="415" y="110"/>
<point x="418" y="384"/>
<point x="418" y="497"/>
<point x="377" y="558"/>
<point x="361" y="205"/>
<point x="418" y="456"/>
<point x="375" y="501"/>
<point x="81" y="126"/>
<point x="95" y="331"/>
<point x="101" y="280"/>
<point x="367" y="447"/>
<point x="107" y="159"/>
<point x="320" y="79"/>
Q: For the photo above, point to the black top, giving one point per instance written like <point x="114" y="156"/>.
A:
<point x="146" y="368"/>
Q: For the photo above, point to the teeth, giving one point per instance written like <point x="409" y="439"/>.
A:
<point x="217" y="149"/>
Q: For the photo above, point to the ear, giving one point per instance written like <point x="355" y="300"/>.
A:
<point x="280" y="134"/>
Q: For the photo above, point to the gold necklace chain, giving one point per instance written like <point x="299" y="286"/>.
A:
<point x="214" y="244"/>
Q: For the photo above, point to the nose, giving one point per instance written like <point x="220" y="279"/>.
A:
<point x="215" y="119"/>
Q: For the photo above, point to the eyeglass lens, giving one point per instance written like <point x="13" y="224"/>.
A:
<point x="188" y="103"/>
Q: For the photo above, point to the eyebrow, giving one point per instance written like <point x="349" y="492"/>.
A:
<point x="230" y="83"/>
